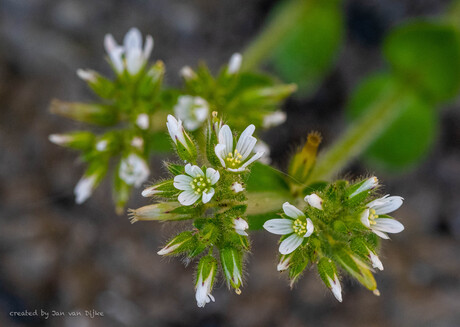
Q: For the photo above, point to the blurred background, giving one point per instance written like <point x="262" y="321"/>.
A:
<point x="56" y="255"/>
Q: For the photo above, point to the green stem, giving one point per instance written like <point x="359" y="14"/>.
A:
<point x="289" y="16"/>
<point x="358" y="137"/>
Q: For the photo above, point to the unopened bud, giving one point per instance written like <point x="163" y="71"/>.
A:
<point x="179" y="244"/>
<point x="89" y="113"/>
<point x="364" y="186"/>
<point x="187" y="73"/>
<point x="206" y="273"/>
<point x="315" y="201"/>
<point x="185" y="147"/>
<point x="76" y="140"/>
<point x="161" y="211"/>
<point x="161" y="189"/>
<point x="232" y="265"/>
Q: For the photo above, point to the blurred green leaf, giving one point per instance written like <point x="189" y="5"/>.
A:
<point x="257" y="221"/>
<point x="160" y="142"/>
<point x="427" y="56"/>
<point x="264" y="178"/>
<point x="409" y="137"/>
<point x="308" y="51"/>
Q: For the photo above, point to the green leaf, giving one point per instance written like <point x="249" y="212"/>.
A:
<point x="160" y="142"/>
<point x="257" y="222"/>
<point x="408" y="139"/>
<point x="264" y="178"/>
<point x="426" y="55"/>
<point x="306" y="54"/>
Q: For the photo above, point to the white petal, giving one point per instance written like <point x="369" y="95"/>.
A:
<point x="376" y="263"/>
<point x="84" y="189"/>
<point x="87" y="75"/>
<point x="234" y="64"/>
<point x="310" y="228"/>
<point x="258" y="155"/>
<point x="109" y="43"/>
<point x="246" y="142"/>
<point x="279" y="226"/>
<point x="241" y="232"/>
<point x="196" y="171"/>
<point x="117" y="60"/>
<point x="365" y="218"/>
<point x="388" y="205"/>
<point x="369" y="184"/>
<point x="388" y="225"/>
<point x="172" y="125"/>
<point x="207" y="196"/>
<point x="381" y="234"/>
<point x="132" y="40"/>
<point x="213" y="175"/>
<point x="226" y="138"/>
<point x="292" y="211"/>
<point x="237" y="187"/>
<point x="220" y="153"/>
<point x="187" y="198"/>
<point x="148" y="47"/>
<point x="182" y="182"/>
<point x="290" y="244"/>
<point x="336" y="288"/>
<point x="188" y="169"/>
<point x="142" y="121"/>
<point x="134" y="61"/>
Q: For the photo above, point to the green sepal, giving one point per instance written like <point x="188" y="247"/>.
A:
<point x="150" y="83"/>
<point x="183" y="242"/>
<point x="356" y="268"/>
<point x="175" y="169"/>
<point x="231" y="260"/>
<point x="326" y="270"/>
<point x="102" y="86"/>
<point x="299" y="262"/>
<point x="207" y="267"/>
<point x="97" y="114"/>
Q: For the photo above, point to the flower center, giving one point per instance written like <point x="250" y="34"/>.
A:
<point x="372" y="217"/>
<point x="300" y="227"/>
<point x="200" y="184"/>
<point x="233" y="160"/>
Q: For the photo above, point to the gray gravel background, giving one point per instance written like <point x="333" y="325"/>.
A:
<point x="55" y="255"/>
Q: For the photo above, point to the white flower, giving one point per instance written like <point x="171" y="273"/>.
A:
<point x="274" y="119"/>
<point x="336" y="288"/>
<point x="376" y="263"/>
<point x="142" y="121"/>
<point x="133" y="170"/>
<point x="297" y="225"/>
<point x="102" y="145"/>
<point x="138" y="143"/>
<point x="87" y="75"/>
<point x="236" y="159"/>
<point x="234" y="63"/>
<point x="196" y="184"/>
<point x="315" y="201"/>
<point x="261" y="146"/>
<point x="130" y="56"/>
<point x="84" y="188"/>
<point x="240" y="225"/>
<point x="60" y="139"/>
<point x="369" y="184"/>
<point x="193" y="111"/>
<point x="380" y="226"/>
<point x="237" y="187"/>
<point x="203" y="291"/>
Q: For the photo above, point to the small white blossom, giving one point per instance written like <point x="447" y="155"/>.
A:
<point x="234" y="63"/>
<point x="143" y="121"/>
<point x="138" y="143"/>
<point x="236" y="159"/>
<point x="380" y="226"/>
<point x="87" y="75"/>
<point x="130" y="56"/>
<point x="296" y="225"/>
<point x="240" y="225"/>
<point x="193" y="111"/>
<point x="376" y="263"/>
<point x="133" y="170"/>
<point x="315" y="201"/>
<point x="237" y="187"/>
<point x="84" y="188"/>
<point x="102" y="145"/>
<point x="369" y="184"/>
<point x="274" y="119"/>
<point x="336" y="288"/>
<point x="196" y="184"/>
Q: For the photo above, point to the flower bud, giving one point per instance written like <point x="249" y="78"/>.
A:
<point x="143" y="121"/>
<point x="234" y="63"/>
<point x="240" y="225"/>
<point x="179" y="244"/>
<point x="355" y="267"/>
<point x="93" y="176"/>
<point x="100" y="85"/>
<point x="97" y="114"/>
<point x="363" y="186"/>
<point x="187" y="73"/>
<point x="285" y="262"/>
<point x="185" y="147"/>
<point x="165" y="188"/>
<point x="232" y="266"/>
<point x="76" y="140"/>
<point x="328" y="273"/>
<point x="315" y="201"/>
<point x="303" y="161"/>
<point x="237" y="187"/>
<point x="206" y="273"/>
<point x="161" y="211"/>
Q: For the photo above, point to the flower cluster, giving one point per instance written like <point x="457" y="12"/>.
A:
<point x="213" y="197"/>
<point x="338" y="227"/>
<point x="134" y="105"/>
